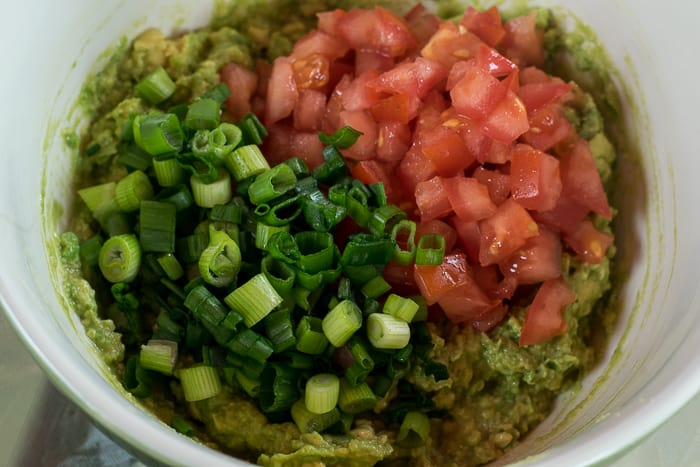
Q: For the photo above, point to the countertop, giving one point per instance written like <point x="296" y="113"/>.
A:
<point x="41" y="428"/>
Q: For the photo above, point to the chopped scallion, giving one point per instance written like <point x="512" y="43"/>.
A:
<point x="342" y="322"/>
<point x="387" y="332"/>
<point x="120" y="258"/>
<point x="246" y="161"/>
<point x="159" y="355"/>
<point x="254" y="300"/>
<point x="321" y="394"/>
<point x="431" y="250"/>
<point x="400" y="307"/>
<point x="156" y="87"/>
<point x="309" y="422"/>
<point x="221" y="260"/>
<point x="355" y="399"/>
<point x="199" y="383"/>
<point x="208" y="195"/>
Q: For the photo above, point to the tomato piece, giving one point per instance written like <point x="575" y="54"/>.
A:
<point x="422" y="23"/>
<point x="318" y="42"/>
<point x="486" y="25"/>
<point x="400" y="108"/>
<point x="432" y="200"/>
<point x="534" y="178"/>
<point x="445" y="149"/>
<point x="377" y="30"/>
<point x="439" y="227"/>
<point x="282" y="93"/>
<point x="504" y="232"/>
<point x="477" y="93"/>
<point x="263" y="69"/>
<point x="523" y="42"/>
<point x="469" y="237"/>
<point x="497" y="183"/>
<point x="357" y="95"/>
<point x="532" y="75"/>
<point x="465" y="303"/>
<point x="469" y="199"/>
<point x="393" y="141"/>
<point x="549" y="127"/>
<point x="477" y="143"/>
<point x="490" y="318"/>
<point x="565" y="217"/>
<point x="581" y="180"/>
<point x="331" y="119"/>
<point x="365" y="146"/>
<point x="306" y="146"/>
<point x="401" y="278"/>
<point x="311" y="72"/>
<point x="309" y="111"/>
<point x="242" y="83"/>
<point x="435" y="281"/>
<point x="414" y="78"/>
<point x="366" y="60"/>
<point x="496" y="64"/>
<point x="498" y="153"/>
<point x="328" y="20"/>
<point x="544" y="318"/>
<point x="538" y="260"/>
<point x="372" y="171"/>
<point x="276" y="145"/>
<point x="537" y="95"/>
<point x="449" y="45"/>
<point x="508" y="120"/>
<point x="414" y="168"/>
<point x="588" y="242"/>
<point x="512" y="81"/>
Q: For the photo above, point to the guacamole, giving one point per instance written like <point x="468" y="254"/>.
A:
<point x="496" y="391"/>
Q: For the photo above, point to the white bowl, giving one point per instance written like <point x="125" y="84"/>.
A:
<point x="650" y="370"/>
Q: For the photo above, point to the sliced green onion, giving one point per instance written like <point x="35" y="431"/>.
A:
<point x="364" y="249"/>
<point x="208" y="195"/>
<point x="280" y="275"/>
<point x="223" y="140"/>
<point x="280" y="213"/>
<point x="310" y="337"/>
<point x="320" y="213"/>
<point x="246" y="161"/>
<point x="157" y="226"/>
<point x="317" y="280"/>
<point x="283" y="247"/>
<point x="279" y="388"/>
<point x="342" y="138"/>
<point x="199" y="383"/>
<point x="168" y="172"/>
<point x="249" y="385"/>
<point x="384" y="218"/>
<point x="203" y="114"/>
<point x="404" y="233"/>
<point x="338" y="193"/>
<point x="378" y="193"/>
<point x="271" y="184"/>
<point x="159" y="355"/>
<point x="90" y="250"/>
<point x="231" y="212"/>
<point x="355" y="399"/>
<point x="422" y="312"/>
<point x="171" y="266"/>
<point x="309" y="422"/>
<point x="333" y="168"/>
<point x="190" y="248"/>
<point x="233" y="320"/>
<point x="298" y="166"/>
<point x="263" y="232"/>
<point x="316" y="251"/>
<point x="297" y="360"/>
<point x="400" y="307"/>
<point x="414" y="430"/>
<point x="120" y="258"/>
<point x="306" y="185"/>
<point x="362" y="363"/>
<point x="253" y="131"/>
<point x="180" y="425"/>
<point x="376" y="287"/>
<point x="250" y="344"/>
<point x="179" y="195"/>
<point x="158" y="133"/>
<point x="100" y="200"/>
<point x="356" y="203"/>
<point x="431" y="250"/>
<point x="93" y="149"/>
<point x="132" y="156"/>
<point x="167" y="327"/>
<point x="136" y="379"/>
<point x="156" y="87"/>
<point x="203" y="165"/>
<point x="387" y="332"/>
<point x="321" y="394"/>
<point x="254" y="300"/>
<point x="205" y="307"/>
<point x="219" y="93"/>
<point x="342" y="322"/>
<point x="221" y="260"/>
<point x="360" y="275"/>
<point x="279" y="329"/>
<point x="344" y="425"/>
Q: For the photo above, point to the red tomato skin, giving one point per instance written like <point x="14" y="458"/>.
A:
<point x="414" y="168"/>
<point x="401" y="278"/>
<point x="544" y="318"/>
<point x="366" y="60"/>
<point x="400" y="108"/>
<point x="393" y="141"/>
<point x="356" y="95"/>
<point x="534" y="178"/>
<point x="496" y="64"/>
<point x="532" y="74"/>
<point x="508" y="120"/>
<point x="445" y="149"/>
<point x="490" y="318"/>
<point x="477" y="93"/>
<point x="282" y="93"/>
<point x="328" y="20"/>
<point x="581" y="180"/>
<point x="537" y="95"/>
<point x="276" y="145"/>
<point x="422" y="23"/>
<point x="486" y="25"/>
<point x="565" y="217"/>
<point x="523" y="42"/>
<point x="449" y="45"/>
<point x="432" y="200"/>
<point x="413" y="78"/>
<point x="306" y="146"/>
<point x="468" y="236"/>
<point x="319" y="42"/>
<point x="549" y="127"/>
<point x="497" y="183"/>
<point x="242" y="83"/>
<point x="439" y="227"/>
<point x="365" y="146"/>
<point x="435" y="281"/>
<point x="504" y="232"/>
<point x="589" y="243"/>
<point x="372" y="171"/>
<point x="377" y="30"/>
<point x="469" y="199"/>
<point x="309" y="111"/>
<point x="465" y="303"/>
<point x="538" y="260"/>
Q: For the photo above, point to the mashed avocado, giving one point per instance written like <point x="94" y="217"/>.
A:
<point x="497" y="391"/>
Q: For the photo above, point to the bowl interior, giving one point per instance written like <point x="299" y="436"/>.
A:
<point x="647" y="372"/>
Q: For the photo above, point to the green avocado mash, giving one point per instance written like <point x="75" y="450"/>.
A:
<point x="497" y="391"/>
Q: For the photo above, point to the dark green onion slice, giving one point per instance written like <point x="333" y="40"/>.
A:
<point x="157" y="226"/>
<point x="219" y="93"/>
<point x="90" y="250"/>
<point x="136" y="379"/>
<point x="384" y="218"/>
<point x="156" y="87"/>
<point x="342" y="138"/>
<point x="158" y="133"/>
<point x="132" y="156"/>
<point x="364" y="249"/>
<point x="278" y="388"/>
<point x="310" y="337"/>
<point x="246" y="161"/>
<point x="333" y="168"/>
<point x="280" y="331"/>
<point x="203" y="114"/>
<point x="181" y="425"/>
<point x="271" y="184"/>
<point x="248" y="343"/>
<point x="254" y="132"/>
<point x="280" y="275"/>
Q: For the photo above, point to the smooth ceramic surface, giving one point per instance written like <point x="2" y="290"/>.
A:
<point x="650" y="370"/>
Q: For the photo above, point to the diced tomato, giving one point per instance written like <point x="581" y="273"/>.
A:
<point x="357" y="95"/>
<point x="469" y="199"/>
<point x="498" y="153"/>
<point x="450" y="45"/>
<point x="549" y="127"/>
<point x="490" y="318"/>
<point x="242" y="83"/>
<point x="401" y="278"/>
<point x="465" y="303"/>
<point x="534" y="178"/>
<point x="400" y="108"/>
<point x="312" y="72"/>
<point x="581" y="180"/>
<point x="497" y="183"/>
<point x="477" y="93"/>
<point x="431" y="199"/>
<point x="565" y="217"/>
<point x="477" y="143"/>
<point x="366" y="60"/>
<point x="457" y="72"/>
<point x="416" y="77"/>
<point x="365" y="146"/>
<point x="537" y="95"/>
<point x="282" y="92"/>
<point x="414" y="168"/>
<point x="309" y="111"/>
<point x="445" y="149"/>
<point x="439" y="227"/>
<point x="435" y="281"/>
<point x="469" y="237"/>
<point x="263" y="69"/>
<point x="504" y="232"/>
<point x="508" y="120"/>
<point x="484" y="24"/>
<point x="372" y="171"/>
<point x="512" y="81"/>
<point x="588" y="242"/>
<point x="422" y="23"/>
<point x="328" y="20"/>
<point x="544" y="318"/>
<point x="393" y="141"/>
<point x="276" y="145"/>
<point x="537" y="261"/>
<point x="532" y="75"/>
<point x="318" y="42"/>
<point x="523" y="42"/>
<point x="377" y="30"/>
<point x="306" y="146"/>
<point x="496" y="64"/>
<point x="331" y="119"/>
